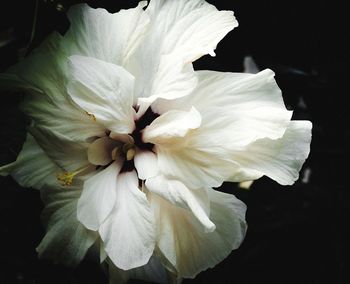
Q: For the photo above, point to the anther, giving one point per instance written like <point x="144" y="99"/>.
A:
<point x="130" y="154"/>
<point x="66" y="178"/>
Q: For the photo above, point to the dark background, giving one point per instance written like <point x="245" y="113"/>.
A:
<point x="296" y="234"/>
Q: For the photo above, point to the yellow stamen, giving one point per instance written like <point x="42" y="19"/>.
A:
<point x="130" y="154"/>
<point x="129" y="150"/>
<point x="91" y="115"/>
<point x="66" y="178"/>
<point x="127" y="147"/>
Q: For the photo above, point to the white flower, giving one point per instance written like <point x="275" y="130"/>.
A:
<point x="127" y="141"/>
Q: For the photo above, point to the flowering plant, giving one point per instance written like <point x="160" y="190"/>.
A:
<point x="127" y="141"/>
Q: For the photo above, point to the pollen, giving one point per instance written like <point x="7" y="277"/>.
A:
<point x="66" y="178"/>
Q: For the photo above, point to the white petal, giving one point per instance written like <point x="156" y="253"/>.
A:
<point x="249" y="65"/>
<point x="194" y="27"/>
<point x="105" y="36"/>
<point x="279" y="159"/>
<point x="100" y="151"/>
<point x="146" y="164"/>
<point x="251" y="109"/>
<point x="63" y="117"/>
<point x="33" y="168"/>
<point x="44" y="68"/>
<point x="153" y="271"/>
<point x="176" y="79"/>
<point x="250" y="106"/>
<point x="197" y="168"/>
<point x="98" y="197"/>
<point x="43" y="74"/>
<point x="67" y="240"/>
<point x="170" y="125"/>
<point x="129" y="232"/>
<point x="104" y="90"/>
<point x="178" y="194"/>
<point x="184" y="244"/>
<point x="125" y="138"/>
<point x="179" y="33"/>
<point x="68" y="154"/>
<point x="11" y="82"/>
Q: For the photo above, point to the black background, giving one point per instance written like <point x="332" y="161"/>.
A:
<point x="296" y="234"/>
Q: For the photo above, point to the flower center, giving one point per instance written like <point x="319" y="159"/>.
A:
<point x="104" y="150"/>
<point x="140" y="124"/>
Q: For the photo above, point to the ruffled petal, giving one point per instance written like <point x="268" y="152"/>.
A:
<point x="98" y="197"/>
<point x="43" y="75"/>
<point x="11" y="82"/>
<point x="105" y="36"/>
<point x="183" y="243"/>
<point x="104" y="90"/>
<point x="100" y="151"/>
<point x="63" y="117"/>
<point x="44" y="68"/>
<point x="250" y="106"/>
<point x="66" y="240"/>
<point x="182" y="162"/>
<point x="171" y="125"/>
<point x="33" y="168"/>
<point x="178" y="194"/>
<point x="279" y="159"/>
<point x="69" y="155"/>
<point x="146" y="164"/>
<point x="179" y="33"/>
<point x="176" y="80"/>
<point x="192" y="27"/>
<point x="129" y="232"/>
<point x="153" y="271"/>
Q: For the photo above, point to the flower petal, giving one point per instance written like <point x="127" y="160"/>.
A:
<point x="178" y="194"/>
<point x="182" y="162"/>
<point x="170" y="125"/>
<point x="67" y="240"/>
<point x="250" y="106"/>
<point x="194" y="27"/>
<point x="49" y="105"/>
<point x="100" y="151"/>
<point x="179" y="33"/>
<point x="98" y="197"/>
<point x="43" y="68"/>
<point x="105" y="36"/>
<point x="129" y="232"/>
<point x="63" y="117"/>
<point x="153" y="271"/>
<point x="184" y="244"/>
<point x="69" y="155"/>
<point x="11" y="82"/>
<point x="175" y="80"/>
<point x="279" y="159"/>
<point x="146" y="164"/>
<point x="33" y="168"/>
<point x="104" y="90"/>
